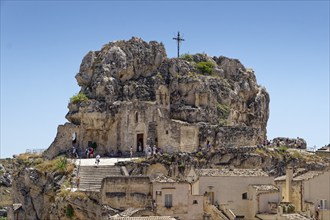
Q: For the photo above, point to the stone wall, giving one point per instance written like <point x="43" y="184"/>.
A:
<point x="125" y="192"/>
<point x="229" y="190"/>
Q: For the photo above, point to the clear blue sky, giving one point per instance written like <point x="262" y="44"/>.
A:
<point x="43" y="43"/>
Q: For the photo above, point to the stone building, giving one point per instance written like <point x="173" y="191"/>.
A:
<point x="175" y="199"/>
<point x="239" y="193"/>
<point x="308" y="192"/>
<point x="133" y="95"/>
<point x="162" y="196"/>
<point x="123" y="192"/>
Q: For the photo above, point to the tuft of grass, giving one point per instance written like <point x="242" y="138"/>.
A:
<point x="66" y="193"/>
<point x="260" y="151"/>
<point x="78" y="98"/>
<point x="296" y="154"/>
<point x="186" y="56"/>
<point x="27" y="156"/>
<point x="6" y="198"/>
<point x="282" y="149"/>
<point x="59" y="164"/>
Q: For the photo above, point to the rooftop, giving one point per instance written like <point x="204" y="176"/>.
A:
<point x="230" y="172"/>
<point x="300" y="177"/>
<point x="163" y="179"/>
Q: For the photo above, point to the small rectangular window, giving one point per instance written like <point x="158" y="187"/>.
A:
<point x="244" y="196"/>
<point x="168" y="200"/>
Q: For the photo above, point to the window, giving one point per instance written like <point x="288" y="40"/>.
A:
<point x="168" y="200"/>
<point x="195" y="202"/>
<point x="136" y="117"/>
<point x="244" y="196"/>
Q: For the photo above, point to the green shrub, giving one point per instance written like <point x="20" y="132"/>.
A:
<point x="282" y="149"/>
<point x="69" y="211"/>
<point x="205" y="67"/>
<point x="186" y="56"/>
<point x="77" y="98"/>
<point x="61" y="164"/>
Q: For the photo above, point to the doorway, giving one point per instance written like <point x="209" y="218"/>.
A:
<point x="139" y="142"/>
<point x="210" y="196"/>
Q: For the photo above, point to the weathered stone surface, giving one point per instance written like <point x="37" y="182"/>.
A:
<point x="137" y="96"/>
<point x="290" y="142"/>
<point x="5" y="180"/>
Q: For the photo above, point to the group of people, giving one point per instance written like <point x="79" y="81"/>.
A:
<point x="152" y="151"/>
<point x="89" y="152"/>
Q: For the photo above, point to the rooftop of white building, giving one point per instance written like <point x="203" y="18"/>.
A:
<point x="230" y="172"/>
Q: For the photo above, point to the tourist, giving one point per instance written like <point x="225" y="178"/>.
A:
<point x="78" y="181"/>
<point x="139" y="147"/>
<point x="154" y="150"/>
<point x="149" y="151"/>
<point x="131" y="151"/>
<point x="74" y="152"/>
<point x="146" y="151"/>
<point x="97" y="160"/>
<point x="91" y="152"/>
<point x="87" y="152"/>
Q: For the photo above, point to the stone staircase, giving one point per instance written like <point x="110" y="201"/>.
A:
<point x="91" y="176"/>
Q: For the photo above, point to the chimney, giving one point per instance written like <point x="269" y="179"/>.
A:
<point x="288" y="184"/>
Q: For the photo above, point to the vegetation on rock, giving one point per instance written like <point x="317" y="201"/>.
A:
<point x="205" y="67"/>
<point x="78" y="98"/>
<point x="69" y="211"/>
<point x="59" y="165"/>
<point x="186" y="56"/>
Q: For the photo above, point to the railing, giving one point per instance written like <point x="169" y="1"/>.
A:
<point x="35" y="151"/>
<point x="227" y="211"/>
<point x="218" y="212"/>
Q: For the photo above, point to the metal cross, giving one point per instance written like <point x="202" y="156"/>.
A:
<point x="178" y="39"/>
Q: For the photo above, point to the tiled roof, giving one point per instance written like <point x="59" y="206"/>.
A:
<point x="295" y="216"/>
<point x="144" y="218"/>
<point x="163" y="179"/>
<point x="230" y="172"/>
<point x="306" y="176"/>
<point x="265" y="187"/>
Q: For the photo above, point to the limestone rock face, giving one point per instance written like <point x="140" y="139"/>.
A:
<point x="138" y="97"/>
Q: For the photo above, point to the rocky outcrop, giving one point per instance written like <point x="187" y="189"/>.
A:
<point x="297" y="143"/>
<point x="135" y="95"/>
<point x="44" y="193"/>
